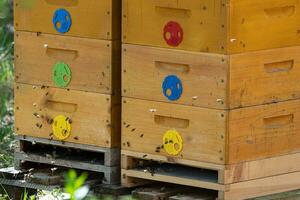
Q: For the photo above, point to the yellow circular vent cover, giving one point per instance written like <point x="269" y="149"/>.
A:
<point x="173" y="143"/>
<point x="61" y="127"/>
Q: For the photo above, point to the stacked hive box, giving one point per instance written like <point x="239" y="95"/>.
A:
<point x="212" y="85"/>
<point x="68" y="78"/>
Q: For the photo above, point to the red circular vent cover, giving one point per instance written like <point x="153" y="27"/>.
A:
<point x="173" y="33"/>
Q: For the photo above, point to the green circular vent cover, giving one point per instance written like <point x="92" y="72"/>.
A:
<point x="61" y="74"/>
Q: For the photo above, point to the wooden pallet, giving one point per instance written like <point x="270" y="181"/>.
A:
<point x="32" y="150"/>
<point x="231" y="182"/>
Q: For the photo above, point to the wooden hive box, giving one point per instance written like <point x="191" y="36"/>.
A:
<point x="91" y="18"/>
<point x="92" y="65"/>
<point x="67" y="115"/>
<point x="241" y="153"/>
<point x="221" y="26"/>
<point x="211" y="80"/>
<point x="211" y="135"/>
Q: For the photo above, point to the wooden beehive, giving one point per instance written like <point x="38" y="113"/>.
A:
<point x="94" y="117"/>
<point x="94" y="64"/>
<point x="91" y="19"/>
<point x="68" y="86"/>
<point x="221" y="26"/>
<point x="68" y="64"/>
<point x="211" y="96"/>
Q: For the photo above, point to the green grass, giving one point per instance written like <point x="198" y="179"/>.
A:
<point x="6" y="83"/>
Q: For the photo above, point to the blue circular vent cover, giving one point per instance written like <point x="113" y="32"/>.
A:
<point x="172" y="87"/>
<point x="62" y="20"/>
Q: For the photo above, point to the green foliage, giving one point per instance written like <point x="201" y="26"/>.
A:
<point x="6" y="33"/>
<point x="4" y="197"/>
<point x="27" y="197"/>
<point x="74" y="182"/>
<point x="6" y="42"/>
<point x="6" y="83"/>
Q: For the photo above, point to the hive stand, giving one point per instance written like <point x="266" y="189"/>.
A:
<point x="104" y="160"/>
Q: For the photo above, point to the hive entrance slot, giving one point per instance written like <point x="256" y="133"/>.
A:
<point x="174" y="170"/>
<point x="58" y="152"/>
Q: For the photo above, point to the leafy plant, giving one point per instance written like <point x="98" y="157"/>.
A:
<point x="27" y="197"/>
<point x="74" y="185"/>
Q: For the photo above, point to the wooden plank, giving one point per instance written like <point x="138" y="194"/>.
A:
<point x="111" y="174"/>
<point x="11" y="173"/>
<point x="90" y="61"/>
<point x="199" y="195"/>
<point x="263" y="187"/>
<point x="176" y="177"/>
<point x="161" y="158"/>
<point x="146" y="122"/>
<point x="293" y="195"/>
<point x="264" y="77"/>
<point x="101" y="19"/>
<point x="262" y="168"/>
<point x="263" y="131"/>
<point x="131" y="182"/>
<point x="63" y="162"/>
<point x="22" y="184"/>
<point x="203" y="76"/>
<point x="90" y="114"/>
<point x="220" y="26"/>
<point x="109" y="191"/>
<point x="45" y="177"/>
<point x="35" y="140"/>
<point x="157" y="192"/>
